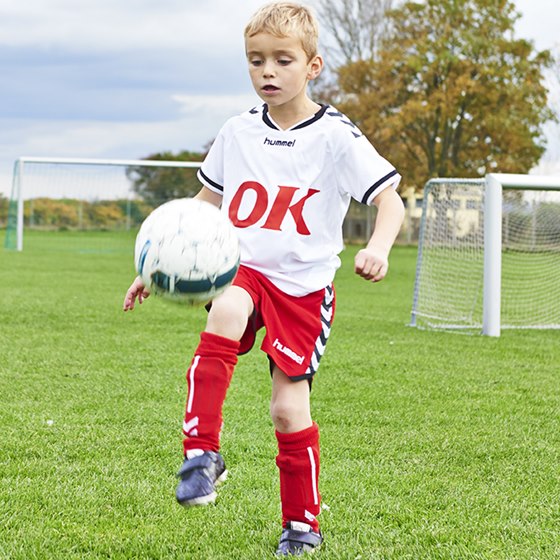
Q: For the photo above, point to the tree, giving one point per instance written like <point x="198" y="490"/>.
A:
<point x="356" y="26"/>
<point x="4" y="204"/>
<point x="355" y="31"/>
<point x="156" y="185"/>
<point x="451" y="92"/>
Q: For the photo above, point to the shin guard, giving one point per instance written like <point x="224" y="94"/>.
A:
<point x="208" y="379"/>
<point x="298" y="462"/>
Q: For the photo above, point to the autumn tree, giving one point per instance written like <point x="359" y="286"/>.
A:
<point x="450" y="91"/>
<point x="156" y="185"/>
<point x="356" y="27"/>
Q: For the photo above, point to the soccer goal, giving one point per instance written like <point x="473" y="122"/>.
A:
<point x="79" y="196"/>
<point x="489" y="254"/>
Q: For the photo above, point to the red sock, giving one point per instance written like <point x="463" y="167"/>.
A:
<point x="208" y="379"/>
<point x="298" y="461"/>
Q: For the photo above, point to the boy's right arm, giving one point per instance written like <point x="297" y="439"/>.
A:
<point x="207" y="195"/>
<point x="136" y="290"/>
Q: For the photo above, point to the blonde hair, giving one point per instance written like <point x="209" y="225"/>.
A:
<point x="286" y="19"/>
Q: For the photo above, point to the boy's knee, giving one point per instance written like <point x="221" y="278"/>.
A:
<point x="287" y="417"/>
<point x="280" y="414"/>
<point x="228" y="316"/>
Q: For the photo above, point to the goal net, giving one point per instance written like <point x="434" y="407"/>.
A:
<point x="489" y="254"/>
<point x="78" y="204"/>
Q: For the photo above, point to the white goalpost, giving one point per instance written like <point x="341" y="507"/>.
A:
<point x="77" y="194"/>
<point x="489" y="254"/>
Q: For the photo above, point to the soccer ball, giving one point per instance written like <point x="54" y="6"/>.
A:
<point x="187" y="251"/>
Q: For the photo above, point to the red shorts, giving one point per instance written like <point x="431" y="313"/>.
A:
<point x="297" y="328"/>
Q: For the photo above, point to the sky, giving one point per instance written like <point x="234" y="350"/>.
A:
<point x="124" y="79"/>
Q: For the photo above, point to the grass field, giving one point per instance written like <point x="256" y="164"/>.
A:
<point x="434" y="445"/>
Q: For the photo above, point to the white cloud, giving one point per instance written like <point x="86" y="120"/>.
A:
<point x="206" y="106"/>
<point x="539" y="22"/>
<point x="106" y="24"/>
<point x="200" y="119"/>
<point x="199" y="123"/>
<point x="94" y="139"/>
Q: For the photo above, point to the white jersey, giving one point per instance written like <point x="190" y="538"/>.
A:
<point x="287" y="191"/>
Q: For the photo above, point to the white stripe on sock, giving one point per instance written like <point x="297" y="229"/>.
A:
<point x="191" y="383"/>
<point x="189" y="428"/>
<point x="313" y="476"/>
<point x="309" y="516"/>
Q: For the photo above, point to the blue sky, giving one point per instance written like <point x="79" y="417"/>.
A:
<point x="127" y="78"/>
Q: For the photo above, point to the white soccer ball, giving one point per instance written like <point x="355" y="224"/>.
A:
<point x="187" y="250"/>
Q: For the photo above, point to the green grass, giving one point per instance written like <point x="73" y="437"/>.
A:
<point x="434" y="445"/>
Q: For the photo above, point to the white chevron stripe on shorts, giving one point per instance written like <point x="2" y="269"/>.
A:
<point x="326" y="321"/>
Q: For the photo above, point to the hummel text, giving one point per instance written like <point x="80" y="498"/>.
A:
<point x="290" y="353"/>
<point x="282" y="143"/>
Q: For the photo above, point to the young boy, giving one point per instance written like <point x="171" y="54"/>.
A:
<point x="284" y="173"/>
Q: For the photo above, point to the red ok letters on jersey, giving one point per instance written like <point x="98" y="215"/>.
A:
<point x="280" y="207"/>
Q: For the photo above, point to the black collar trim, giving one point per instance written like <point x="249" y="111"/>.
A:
<point x="314" y="118"/>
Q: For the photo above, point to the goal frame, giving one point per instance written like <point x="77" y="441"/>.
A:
<point x="493" y="185"/>
<point x="18" y="187"/>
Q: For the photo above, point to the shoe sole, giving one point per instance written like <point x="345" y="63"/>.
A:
<point x="304" y="551"/>
<point x="209" y="498"/>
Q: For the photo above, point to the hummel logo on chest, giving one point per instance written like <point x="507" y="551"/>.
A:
<point x="281" y="143"/>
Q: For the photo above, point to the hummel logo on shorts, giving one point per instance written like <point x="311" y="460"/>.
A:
<point x="285" y="350"/>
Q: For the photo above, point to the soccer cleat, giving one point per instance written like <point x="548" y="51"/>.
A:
<point x="297" y="539"/>
<point x="199" y="478"/>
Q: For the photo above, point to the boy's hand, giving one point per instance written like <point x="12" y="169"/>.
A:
<point x="371" y="264"/>
<point x="136" y="290"/>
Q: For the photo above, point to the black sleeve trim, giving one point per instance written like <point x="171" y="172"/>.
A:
<point x="206" y="179"/>
<point x="377" y="185"/>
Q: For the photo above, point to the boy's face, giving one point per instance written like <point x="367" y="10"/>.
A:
<point x="279" y="69"/>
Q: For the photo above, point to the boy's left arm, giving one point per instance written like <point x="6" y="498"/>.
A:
<point x="372" y="262"/>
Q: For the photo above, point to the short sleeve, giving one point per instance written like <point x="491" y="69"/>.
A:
<point x="211" y="172"/>
<point x="361" y="171"/>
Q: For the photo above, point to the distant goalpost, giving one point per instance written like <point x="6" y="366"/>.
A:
<point x="489" y="254"/>
<point x="75" y="194"/>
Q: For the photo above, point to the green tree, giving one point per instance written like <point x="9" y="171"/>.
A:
<point x="3" y="210"/>
<point x="451" y="91"/>
<point x="156" y="185"/>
